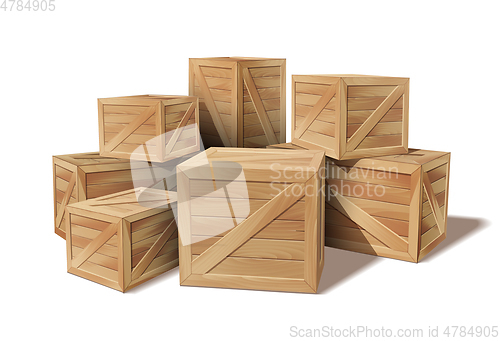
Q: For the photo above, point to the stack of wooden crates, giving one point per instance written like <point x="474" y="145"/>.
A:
<point x="250" y="217"/>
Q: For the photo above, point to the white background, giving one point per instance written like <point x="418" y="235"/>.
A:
<point x="54" y="66"/>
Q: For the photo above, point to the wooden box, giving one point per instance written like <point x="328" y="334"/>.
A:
<point x="350" y="116"/>
<point x="83" y="176"/>
<point x="381" y="205"/>
<point x="115" y="241"/>
<point x="242" y="100"/>
<point x="251" y="219"/>
<point x="149" y="127"/>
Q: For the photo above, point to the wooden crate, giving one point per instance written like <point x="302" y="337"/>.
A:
<point x="115" y="241"/>
<point x="242" y="100"/>
<point x="350" y="116"/>
<point x="381" y="205"/>
<point x="78" y="177"/>
<point x="83" y="176"/>
<point x="270" y="236"/>
<point x="150" y="127"/>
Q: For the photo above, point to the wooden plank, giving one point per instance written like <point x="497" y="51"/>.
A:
<point x="415" y="217"/>
<point x="433" y="202"/>
<point x="277" y="229"/>
<point x="180" y="128"/>
<point x="208" y="100"/>
<point x="312" y="230"/>
<point x="218" y="207"/>
<point x="217" y="83"/>
<point x="370" y="191"/>
<point x="249" y="282"/>
<point x="252" y="85"/>
<point x="364" y="175"/>
<point x="334" y="217"/>
<point x="99" y="259"/>
<point x="95" y="244"/>
<point x="145" y="262"/>
<point x="381" y="141"/>
<point x="256" y="248"/>
<point x="351" y="234"/>
<point x="216" y="72"/>
<point x="370" y="91"/>
<point x="371" y="225"/>
<point x="368" y="249"/>
<point x="311" y="89"/>
<point x="184" y="224"/>
<point x="150" y="231"/>
<point x="259" y="267"/>
<point x="257" y="72"/>
<point x="311" y="100"/>
<point x="95" y="278"/>
<point x="65" y="200"/>
<point x="316" y="110"/>
<point x="374" y="118"/>
<point x="236" y="189"/>
<point x="360" y="116"/>
<point x="129" y="129"/>
<point x="249" y="227"/>
<point x="100" y="271"/>
<point x="382" y="128"/>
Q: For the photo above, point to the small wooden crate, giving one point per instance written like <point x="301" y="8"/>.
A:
<point x="149" y="127"/>
<point x="270" y="236"/>
<point x="83" y="176"/>
<point x="114" y="241"/>
<point x="350" y="116"/>
<point x="381" y="205"/>
<point x="242" y="100"/>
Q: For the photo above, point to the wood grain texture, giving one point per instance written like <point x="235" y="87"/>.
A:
<point x="100" y="242"/>
<point x="400" y="222"/>
<point x="370" y="119"/>
<point x="237" y="230"/>
<point x="133" y="127"/>
<point x="239" y="88"/>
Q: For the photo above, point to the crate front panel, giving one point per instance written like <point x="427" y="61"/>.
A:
<point x="251" y="232"/>
<point x="127" y="127"/>
<point x="387" y="102"/>
<point x="264" y="83"/>
<point x="277" y="250"/>
<point x="98" y="239"/>
<point x="219" y="82"/>
<point x="368" y="210"/>
<point x="65" y="193"/>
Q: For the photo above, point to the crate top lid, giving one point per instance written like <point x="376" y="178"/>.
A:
<point x="230" y="163"/>
<point x="127" y="203"/>
<point x="353" y="79"/>
<point x="414" y="156"/>
<point x="239" y="59"/>
<point x="146" y="99"/>
<point x="86" y="159"/>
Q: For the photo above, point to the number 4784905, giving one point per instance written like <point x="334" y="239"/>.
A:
<point x="28" y="5"/>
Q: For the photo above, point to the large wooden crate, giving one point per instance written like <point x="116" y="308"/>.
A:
<point x="252" y="219"/>
<point x="242" y="100"/>
<point x="350" y="116"/>
<point x="391" y="206"/>
<point x="115" y="241"/>
<point x="149" y="127"/>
